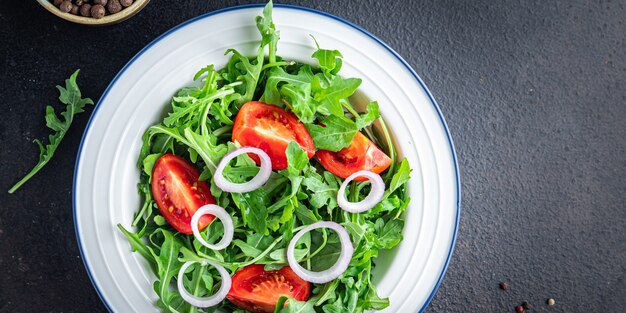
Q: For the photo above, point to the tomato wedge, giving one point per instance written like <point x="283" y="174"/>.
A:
<point x="361" y="154"/>
<point x="257" y="290"/>
<point x="271" y="129"/>
<point x="178" y="193"/>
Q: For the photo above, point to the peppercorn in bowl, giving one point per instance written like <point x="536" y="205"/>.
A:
<point x="94" y="12"/>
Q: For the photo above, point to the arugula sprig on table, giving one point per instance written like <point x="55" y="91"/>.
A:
<point x="75" y="103"/>
<point x="199" y="129"/>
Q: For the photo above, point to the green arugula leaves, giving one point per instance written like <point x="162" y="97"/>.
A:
<point x="199" y="128"/>
<point x="71" y="96"/>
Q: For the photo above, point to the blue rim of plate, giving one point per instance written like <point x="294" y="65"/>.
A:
<point x="292" y="7"/>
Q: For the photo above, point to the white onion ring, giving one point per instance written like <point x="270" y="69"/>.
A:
<point x="257" y="181"/>
<point x="210" y="300"/>
<point x="376" y="193"/>
<point x="334" y="271"/>
<point x="222" y="215"/>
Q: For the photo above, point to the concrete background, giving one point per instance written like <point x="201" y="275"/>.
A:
<point x="534" y="93"/>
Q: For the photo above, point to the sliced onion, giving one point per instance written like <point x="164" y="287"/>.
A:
<point x="210" y="300"/>
<point x="376" y="193"/>
<point x="334" y="271"/>
<point x="257" y="181"/>
<point x="222" y="215"/>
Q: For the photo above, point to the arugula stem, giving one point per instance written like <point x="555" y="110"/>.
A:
<point x="222" y="130"/>
<point x="287" y="104"/>
<point x="273" y="64"/>
<point x="30" y="174"/>
<point x="391" y="148"/>
<point x="263" y="254"/>
<point x="324" y="240"/>
<point x="209" y="103"/>
<point x="272" y="52"/>
<point x="350" y="108"/>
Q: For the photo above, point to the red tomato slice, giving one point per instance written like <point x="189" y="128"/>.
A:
<point x="361" y="154"/>
<point x="271" y="129"/>
<point x="257" y="290"/>
<point x="178" y="193"/>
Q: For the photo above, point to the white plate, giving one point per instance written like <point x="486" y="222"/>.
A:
<point x="105" y="175"/>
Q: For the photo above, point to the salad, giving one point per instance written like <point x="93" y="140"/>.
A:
<point x="265" y="190"/>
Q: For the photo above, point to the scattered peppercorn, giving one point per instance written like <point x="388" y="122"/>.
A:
<point x="519" y="309"/>
<point x="98" y="11"/>
<point x="526" y="305"/>
<point x="550" y="301"/>
<point x="504" y="286"/>
<point x="85" y="9"/>
<point x="65" y="6"/>
<point x="114" y="6"/>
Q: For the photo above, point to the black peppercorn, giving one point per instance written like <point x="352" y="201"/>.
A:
<point x="65" y="6"/>
<point x="114" y="6"/>
<point x="57" y="3"/>
<point x="526" y="305"/>
<point x="74" y="9"/>
<point x="85" y="9"/>
<point x="100" y="2"/>
<point x="78" y="2"/>
<point x="504" y="286"/>
<point x="126" y="3"/>
<point x="98" y="11"/>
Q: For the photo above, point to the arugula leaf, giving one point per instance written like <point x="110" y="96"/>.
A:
<point x="280" y="255"/>
<point x="368" y="118"/>
<point x="293" y="306"/>
<point x="321" y="192"/>
<point x="329" y="61"/>
<point x="206" y="147"/>
<point x="138" y="245"/>
<point x="389" y="233"/>
<point x="248" y="72"/>
<point x="278" y="75"/>
<point x="75" y="103"/>
<point x="167" y="265"/>
<point x="336" y="135"/>
<point x="266" y="27"/>
<point x="297" y="159"/>
<point x="373" y="301"/>
<point x="329" y="97"/>
<point x="253" y="206"/>
<point x="299" y="98"/>
<point x="305" y="215"/>
<point x="148" y="162"/>
<point x="401" y="176"/>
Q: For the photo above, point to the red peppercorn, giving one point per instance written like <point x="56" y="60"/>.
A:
<point x="101" y="2"/>
<point x="519" y="309"/>
<point x="57" y="2"/>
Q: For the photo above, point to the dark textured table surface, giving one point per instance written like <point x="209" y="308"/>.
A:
<point x="534" y="93"/>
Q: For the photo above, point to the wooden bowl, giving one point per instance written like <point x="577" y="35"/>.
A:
<point x="107" y="20"/>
